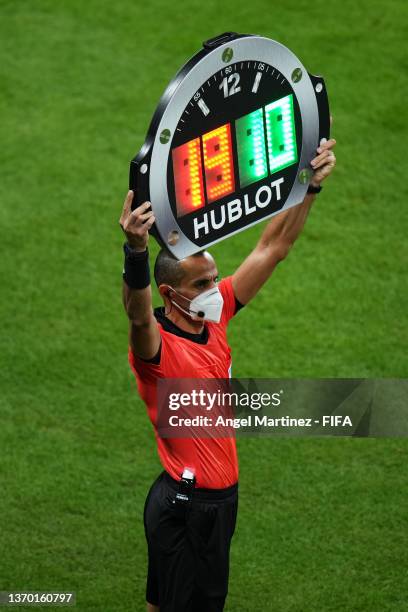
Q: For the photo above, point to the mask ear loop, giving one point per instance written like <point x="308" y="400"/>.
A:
<point x="171" y="305"/>
<point x="171" y="301"/>
<point x="199" y="313"/>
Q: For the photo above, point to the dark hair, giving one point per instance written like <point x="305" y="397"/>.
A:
<point x="167" y="268"/>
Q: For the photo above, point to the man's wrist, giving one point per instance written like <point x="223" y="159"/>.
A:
<point x="314" y="187"/>
<point x="136" y="272"/>
<point x="135" y="248"/>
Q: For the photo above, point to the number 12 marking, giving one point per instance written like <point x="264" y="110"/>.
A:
<point x="232" y="81"/>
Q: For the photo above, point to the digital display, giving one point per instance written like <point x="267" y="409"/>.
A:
<point x="263" y="142"/>
<point x="235" y="152"/>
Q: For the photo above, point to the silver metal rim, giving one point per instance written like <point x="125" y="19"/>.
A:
<point x="254" y="48"/>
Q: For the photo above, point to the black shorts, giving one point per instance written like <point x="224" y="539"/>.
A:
<point x="188" y="552"/>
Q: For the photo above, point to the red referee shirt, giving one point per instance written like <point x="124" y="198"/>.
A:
<point x="215" y="460"/>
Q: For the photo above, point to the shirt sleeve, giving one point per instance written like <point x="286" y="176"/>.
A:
<point x="227" y="292"/>
<point x="150" y="370"/>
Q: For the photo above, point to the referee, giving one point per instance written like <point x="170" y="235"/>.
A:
<point x="191" y="508"/>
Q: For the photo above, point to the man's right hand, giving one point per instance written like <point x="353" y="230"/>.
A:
<point x="136" y="224"/>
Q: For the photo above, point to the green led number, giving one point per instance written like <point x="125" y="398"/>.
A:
<point x="251" y="148"/>
<point x="280" y="132"/>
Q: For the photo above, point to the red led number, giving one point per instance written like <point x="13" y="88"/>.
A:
<point x="218" y="164"/>
<point x="188" y="177"/>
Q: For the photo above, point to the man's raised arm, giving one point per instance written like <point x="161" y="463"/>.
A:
<point x="144" y="335"/>
<point x="280" y="234"/>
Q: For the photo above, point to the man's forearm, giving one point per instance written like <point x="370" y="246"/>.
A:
<point x="137" y="293"/>
<point x="284" y="228"/>
<point x="138" y="304"/>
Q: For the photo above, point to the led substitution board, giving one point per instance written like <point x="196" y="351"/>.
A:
<point x="230" y="143"/>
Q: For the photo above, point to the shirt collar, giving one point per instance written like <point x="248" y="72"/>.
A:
<point x="201" y="338"/>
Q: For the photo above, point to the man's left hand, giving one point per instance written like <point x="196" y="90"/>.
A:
<point x="323" y="163"/>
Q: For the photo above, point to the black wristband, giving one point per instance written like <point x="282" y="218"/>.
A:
<point x="136" y="271"/>
<point x="312" y="189"/>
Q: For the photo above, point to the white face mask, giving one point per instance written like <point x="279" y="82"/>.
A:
<point x="206" y="306"/>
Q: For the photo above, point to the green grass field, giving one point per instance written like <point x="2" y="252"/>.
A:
<point x="322" y="522"/>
